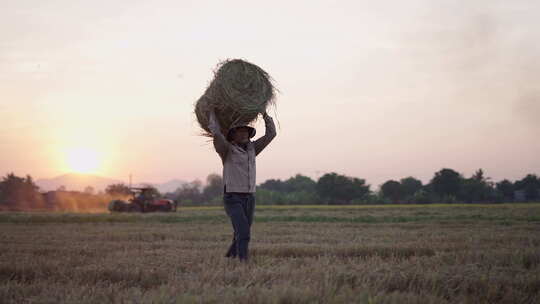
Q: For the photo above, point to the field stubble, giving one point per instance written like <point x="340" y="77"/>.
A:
<point x="446" y="254"/>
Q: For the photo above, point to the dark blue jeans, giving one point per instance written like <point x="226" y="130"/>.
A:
<point x="240" y="208"/>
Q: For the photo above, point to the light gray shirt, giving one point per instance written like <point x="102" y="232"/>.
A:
<point x="239" y="167"/>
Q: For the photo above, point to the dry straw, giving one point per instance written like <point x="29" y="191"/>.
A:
<point x="238" y="93"/>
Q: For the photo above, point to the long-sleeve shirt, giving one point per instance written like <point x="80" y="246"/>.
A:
<point x="239" y="167"/>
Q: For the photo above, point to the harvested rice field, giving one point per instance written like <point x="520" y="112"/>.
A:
<point x="299" y="254"/>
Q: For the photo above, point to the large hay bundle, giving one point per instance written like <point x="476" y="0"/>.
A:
<point x="239" y="92"/>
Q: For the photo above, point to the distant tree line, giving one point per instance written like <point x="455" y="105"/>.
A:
<point x="21" y="193"/>
<point x="446" y="186"/>
<point x="195" y="193"/>
<point x="449" y="186"/>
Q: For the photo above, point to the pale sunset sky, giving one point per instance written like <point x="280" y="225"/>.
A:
<point x="373" y="89"/>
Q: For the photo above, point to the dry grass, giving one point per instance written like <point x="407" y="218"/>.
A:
<point x="441" y="255"/>
<point x="239" y="92"/>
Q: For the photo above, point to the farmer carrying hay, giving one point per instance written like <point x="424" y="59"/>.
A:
<point x="239" y="92"/>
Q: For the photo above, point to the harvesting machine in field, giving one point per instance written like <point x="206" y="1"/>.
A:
<point x="143" y="200"/>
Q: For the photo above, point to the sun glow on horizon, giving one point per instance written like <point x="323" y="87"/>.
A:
<point x="82" y="160"/>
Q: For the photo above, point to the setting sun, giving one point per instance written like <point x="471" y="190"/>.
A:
<point x="82" y="160"/>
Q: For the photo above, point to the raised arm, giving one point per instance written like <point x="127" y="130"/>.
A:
<point x="220" y="142"/>
<point x="269" y="134"/>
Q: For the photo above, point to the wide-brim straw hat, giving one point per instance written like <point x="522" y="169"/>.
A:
<point x="251" y="131"/>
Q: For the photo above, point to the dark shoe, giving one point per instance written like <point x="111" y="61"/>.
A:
<point x="232" y="252"/>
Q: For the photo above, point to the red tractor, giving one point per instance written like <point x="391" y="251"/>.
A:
<point x="143" y="200"/>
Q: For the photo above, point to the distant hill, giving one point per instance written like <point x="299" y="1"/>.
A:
<point x="75" y="181"/>
<point x="78" y="182"/>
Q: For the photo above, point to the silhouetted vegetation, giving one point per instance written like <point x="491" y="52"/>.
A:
<point x="447" y="186"/>
<point x="334" y="188"/>
<point x="194" y="193"/>
<point x="22" y="194"/>
<point x="19" y="192"/>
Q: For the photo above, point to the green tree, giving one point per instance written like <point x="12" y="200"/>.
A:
<point x="531" y="185"/>
<point x="392" y="190"/>
<point x="299" y="183"/>
<point x="189" y="193"/>
<point x="477" y="188"/>
<point x="339" y="189"/>
<point x="506" y="189"/>
<point x="410" y="186"/>
<point x="446" y="183"/>
<point x="299" y="189"/>
<point x="18" y="191"/>
<point x="274" y="185"/>
<point x="269" y="197"/>
<point x="213" y="188"/>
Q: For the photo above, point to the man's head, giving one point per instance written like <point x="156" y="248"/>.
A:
<point x="241" y="135"/>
